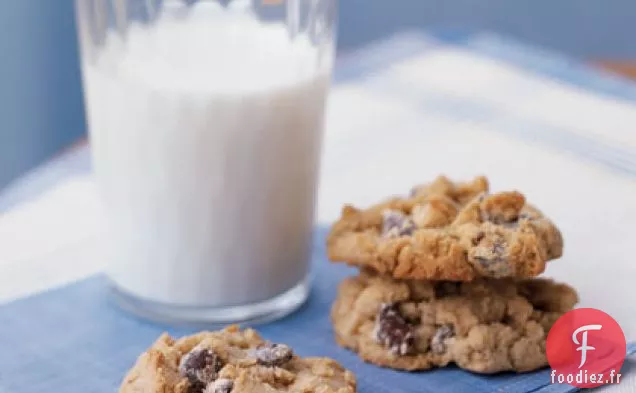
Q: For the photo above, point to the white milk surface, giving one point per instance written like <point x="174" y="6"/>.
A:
<point x="206" y="136"/>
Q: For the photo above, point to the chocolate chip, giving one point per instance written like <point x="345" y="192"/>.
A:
<point x="200" y="366"/>
<point x="221" y="385"/>
<point x="396" y="224"/>
<point x="270" y="354"/>
<point x="438" y="342"/>
<point x="492" y="260"/>
<point x="392" y="219"/>
<point x="393" y="331"/>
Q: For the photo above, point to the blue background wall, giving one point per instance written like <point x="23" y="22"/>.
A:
<point x="582" y="28"/>
<point x="40" y="98"/>
<point x="40" y="95"/>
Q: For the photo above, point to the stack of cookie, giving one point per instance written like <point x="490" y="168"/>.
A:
<point x="448" y="275"/>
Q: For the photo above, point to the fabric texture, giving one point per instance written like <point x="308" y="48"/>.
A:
<point x="75" y="340"/>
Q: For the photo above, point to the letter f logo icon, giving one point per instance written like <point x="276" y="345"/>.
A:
<point x="583" y="344"/>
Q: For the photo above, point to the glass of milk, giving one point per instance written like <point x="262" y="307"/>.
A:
<point x="206" y="120"/>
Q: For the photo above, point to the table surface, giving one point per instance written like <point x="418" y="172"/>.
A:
<point x="443" y="109"/>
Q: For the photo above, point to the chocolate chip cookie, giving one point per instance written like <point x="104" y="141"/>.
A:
<point x="447" y="231"/>
<point x="232" y="361"/>
<point x="485" y="326"/>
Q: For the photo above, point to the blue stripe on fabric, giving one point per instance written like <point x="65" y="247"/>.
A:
<point x="616" y="158"/>
<point x="364" y="62"/>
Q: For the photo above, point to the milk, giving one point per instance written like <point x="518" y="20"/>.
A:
<point x="206" y="137"/>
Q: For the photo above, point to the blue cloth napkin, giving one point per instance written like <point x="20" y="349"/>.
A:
<point x="74" y="340"/>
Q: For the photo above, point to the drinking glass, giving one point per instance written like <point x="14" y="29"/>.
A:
<point x="206" y="120"/>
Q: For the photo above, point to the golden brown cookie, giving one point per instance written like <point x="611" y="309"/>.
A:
<point x="232" y="361"/>
<point x="485" y="326"/>
<point x="447" y="231"/>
